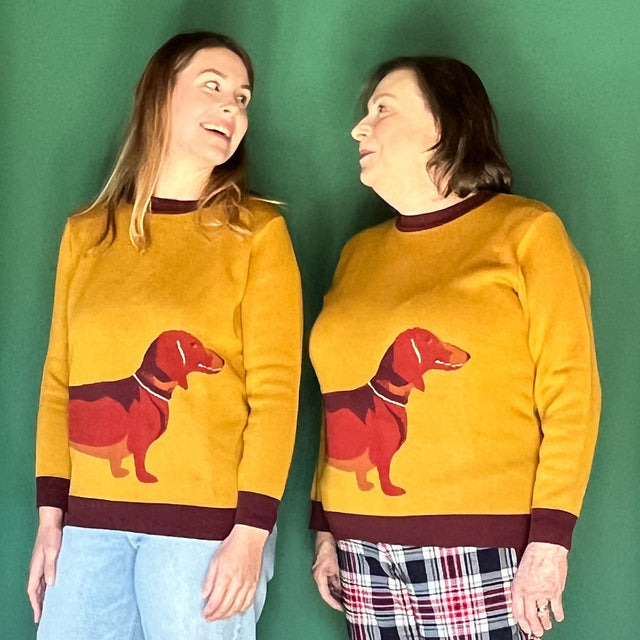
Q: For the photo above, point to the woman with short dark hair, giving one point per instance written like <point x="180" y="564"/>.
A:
<point x="461" y="397"/>
<point x="169" y="395"/>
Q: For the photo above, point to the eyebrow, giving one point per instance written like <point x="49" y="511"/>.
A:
<point x="375" y="97"/>
<point x="224" y="76"/>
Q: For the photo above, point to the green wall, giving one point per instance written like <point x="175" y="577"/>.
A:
<point x="565" y="81"/>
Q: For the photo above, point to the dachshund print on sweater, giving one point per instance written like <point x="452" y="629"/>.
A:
<point x="368" y="425"/>
<point x="119" y="418"/>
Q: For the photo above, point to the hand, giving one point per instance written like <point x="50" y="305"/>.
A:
<point x="42" y="570"/>
<point x="539" y="581"/>
<point x="234" y="572"/>
<point x="325" y="570"/>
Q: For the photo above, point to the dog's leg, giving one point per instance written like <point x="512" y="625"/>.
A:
<point x="141" y="472"/>
<point x="386" y="485"/>
<point x="117" y="470"/>
<point x="363" y="483"/>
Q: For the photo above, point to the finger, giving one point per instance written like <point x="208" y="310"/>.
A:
<point x="517" y="606"/>
<point x="249" y="598"/>
<point x="209" y="581"/>
<point x="531" y="614"/>
<point x="325" y="593"/>
<point x="545" y="617"/>
<point x="50" y="558"/>
<point x="35" y="590"/>
<point x="230" y="605"/>
<point x="556" y="607"/>
<point x="223" y="594"/>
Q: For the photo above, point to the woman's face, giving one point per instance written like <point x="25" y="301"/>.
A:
<point x="395" y="137"/>
<point x="208" y="109"/>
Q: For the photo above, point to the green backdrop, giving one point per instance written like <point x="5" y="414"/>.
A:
<point x="565" y="81"/>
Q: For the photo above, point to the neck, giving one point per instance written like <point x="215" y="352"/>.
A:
<point x="179" y="180"/>
<point x="414" y="197"/>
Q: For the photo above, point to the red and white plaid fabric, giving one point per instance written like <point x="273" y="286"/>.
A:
<point x="397" y="592"/>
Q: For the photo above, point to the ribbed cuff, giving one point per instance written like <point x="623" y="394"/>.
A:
<point x="318" y="520"/>
<point x="52" y="492"/>
<point x="553" y="526"/>
<point x="256" y="510"/>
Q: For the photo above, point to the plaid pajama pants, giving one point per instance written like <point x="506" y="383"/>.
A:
<point x="397" y="592"/>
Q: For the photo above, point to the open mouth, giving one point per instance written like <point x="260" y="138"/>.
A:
<point x="209" y="369"/>
<point x="449" y="364"/>
<point x="217" y="130"/>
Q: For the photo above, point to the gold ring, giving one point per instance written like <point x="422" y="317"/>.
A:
<point x="542" y="608"/>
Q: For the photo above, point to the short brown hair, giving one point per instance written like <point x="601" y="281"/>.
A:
<point x="468" y="156"/>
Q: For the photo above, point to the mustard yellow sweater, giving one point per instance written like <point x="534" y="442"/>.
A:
<point x="170" y="387"/>
<point x="461" y="397"/>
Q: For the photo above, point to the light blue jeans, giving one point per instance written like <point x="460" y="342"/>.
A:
<point x="115" y="585"/>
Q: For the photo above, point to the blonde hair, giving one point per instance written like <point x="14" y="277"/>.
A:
<point x="136" y="170"/>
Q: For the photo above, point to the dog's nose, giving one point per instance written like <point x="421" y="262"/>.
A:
<point x="458" y="356"/>
<point x="217" y="362"/>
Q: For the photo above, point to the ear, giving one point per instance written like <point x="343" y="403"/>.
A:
<point x="417" y="381"/>
<point x="182" y="377"/>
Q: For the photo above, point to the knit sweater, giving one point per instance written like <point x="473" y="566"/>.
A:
<point x="170" y="387"/>
<point x="461" y="397"/>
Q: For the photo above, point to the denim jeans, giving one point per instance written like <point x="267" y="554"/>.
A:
<point x="116" y="585"/>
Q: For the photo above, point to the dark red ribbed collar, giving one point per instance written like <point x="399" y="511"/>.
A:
<point x="167" y="205"/>
<point x="433" y="219"/>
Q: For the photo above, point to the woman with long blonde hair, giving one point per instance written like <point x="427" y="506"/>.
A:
<point x="169" y="395"/>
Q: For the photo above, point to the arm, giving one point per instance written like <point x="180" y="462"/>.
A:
<point x="52" y="447"/>
<point x="272" y="343"/>
<point x="555" y="293"/>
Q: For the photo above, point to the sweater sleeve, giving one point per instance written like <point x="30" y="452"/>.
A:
<point x="272" y="344"/>
<point x="319" y="520"/>
<point x="53" y="466"/>
<point x="556" y="290"/>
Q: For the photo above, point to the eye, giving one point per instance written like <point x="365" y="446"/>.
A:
<point x="381" y="108"/>
<point x="212" y="84"/>
<point x="243" y="100"/>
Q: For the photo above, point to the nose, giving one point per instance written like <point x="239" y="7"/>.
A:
<point x="361" y="130"/>
<point x="230" y="105"/>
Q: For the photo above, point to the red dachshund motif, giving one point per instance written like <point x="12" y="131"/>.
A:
<point x="368" y="425"/>
<point x="120" y="418"/>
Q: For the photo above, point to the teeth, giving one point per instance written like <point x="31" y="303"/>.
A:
<point x="221" y="130"/>
<point x="448" y="364"/>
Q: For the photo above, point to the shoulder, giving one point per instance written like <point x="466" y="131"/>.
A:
<point x="369" y="236"/>
<point x="261" y="214"/>
<point x="521" y="217"/>
<point x="86" y="226"/>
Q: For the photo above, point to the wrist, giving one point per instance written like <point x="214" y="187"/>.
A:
<point x="249" y="535"/>
<point x="50" y="517"/>
<point x="547" y="549"/>
<point x="325" y="542"/>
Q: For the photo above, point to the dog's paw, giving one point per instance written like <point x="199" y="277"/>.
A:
<point x="145" y="476"/>
<point x="392" y="490"/>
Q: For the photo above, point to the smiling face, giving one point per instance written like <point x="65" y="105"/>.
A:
<point x="208" y="109"/>
<point x="395" y="137"/>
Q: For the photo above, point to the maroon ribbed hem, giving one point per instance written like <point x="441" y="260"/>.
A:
<point x="52" y="492"/>
<point x="256" y="510"/>
<point x="318" y="520"/>
<point x="182" y="521"/>
<point x="433" y="219"/>
<point x="552" y="525"/>
<point x="438" y="531"/>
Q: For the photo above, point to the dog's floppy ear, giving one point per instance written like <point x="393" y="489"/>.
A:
<point x="407" y="360"/>
<point x="181" y="378"/>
